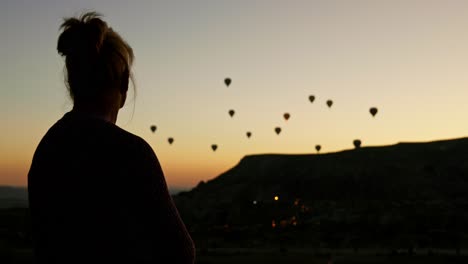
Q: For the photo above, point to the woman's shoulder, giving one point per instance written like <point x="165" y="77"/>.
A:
<point x="83" y="129"/>
<point x="138" y="145"/>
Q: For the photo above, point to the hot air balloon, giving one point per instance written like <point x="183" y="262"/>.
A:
<point x="170" y="140"/>
<point x="227" y="81"/>
<point x="318" y="148"/>
<point x="231" y="112"/>
<point x="329" y="103"/>
<point x="357" y="143"/>
<point x="248" y="134"/>
<point x="311" y="98"/>
<point x="278" y="130"/>
<point x="373" y="111"/>
<point x="214" y="147"/>
<point x="286" y="116"/>
<point x="153" y="128"/>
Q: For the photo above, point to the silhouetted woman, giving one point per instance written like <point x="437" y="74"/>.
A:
<point x="97" y="193"/>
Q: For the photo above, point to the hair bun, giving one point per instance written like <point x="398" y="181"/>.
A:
<point x="82" y="37"/>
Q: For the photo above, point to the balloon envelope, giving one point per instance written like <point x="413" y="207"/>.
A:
<point x="170" y="140"/>
<point x="153" y="128"/>
<point x="311" y="98"/>
<point x="286" y="116"/>
<point x="329" y="103"/>
<point x="248" y="134"/>
<point x="231" y="112"/>
<point x="373" y="111"/>
<point x="357" y="143"/>
<point x="214" y="147"/>
<point x="278" y="130"/>
<point x="227" y="81"/>
<point x="318" y="148"/>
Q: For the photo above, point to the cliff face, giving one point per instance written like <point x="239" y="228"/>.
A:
<point x="403" y="171"/>
<point x="430" y="172"/>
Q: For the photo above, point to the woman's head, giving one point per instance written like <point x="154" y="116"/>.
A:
<point x="98" y="61"/>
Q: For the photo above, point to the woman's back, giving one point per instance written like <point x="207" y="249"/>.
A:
<point x="98" y="193"/>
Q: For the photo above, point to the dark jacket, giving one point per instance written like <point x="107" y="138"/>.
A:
<point x="97" y="193"/>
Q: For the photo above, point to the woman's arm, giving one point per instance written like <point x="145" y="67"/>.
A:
<point x="162" y="231"/>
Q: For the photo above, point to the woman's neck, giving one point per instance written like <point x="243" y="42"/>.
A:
<point x="108" y="114"/>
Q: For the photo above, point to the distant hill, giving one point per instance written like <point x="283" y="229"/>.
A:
<point x="13" y="197"/>
<point x="434" y="170"/>
<point x="388" y="184"/>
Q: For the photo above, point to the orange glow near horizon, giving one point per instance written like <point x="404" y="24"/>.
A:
<point x="408" y="58"/>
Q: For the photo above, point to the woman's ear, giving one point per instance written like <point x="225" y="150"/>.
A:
<point x="123" y="97"/>
<point x="124" y="88"/>
<point x="125" y="81"/>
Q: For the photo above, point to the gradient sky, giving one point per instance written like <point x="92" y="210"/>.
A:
<point x="409" y="58"/>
